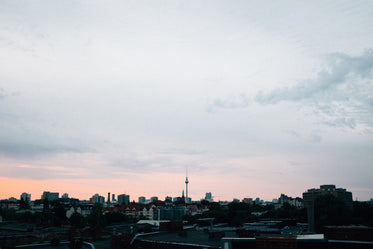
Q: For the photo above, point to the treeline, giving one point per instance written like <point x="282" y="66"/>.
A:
<point x="329" y="210"/>
<point x="54" y="214"/>
<point x="237" y="213"/>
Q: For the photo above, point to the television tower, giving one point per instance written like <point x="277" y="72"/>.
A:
<point x="186" y="187"/>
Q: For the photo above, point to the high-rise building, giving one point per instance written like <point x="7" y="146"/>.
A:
<point x="123" y="199"/>
<point x="142" y="199"/>
<point x="153" y="198"/>
<point x="65" y="196"/>
<point x="311" y="195"/>
<point x="25" y="197"/>
<point x="96" y="198"/>
<point x="113" y="198"/>
<point x="108" y="197"/>
<point x="178" y="199"/>
<point x="208" y="197"/>
<point x="50" y="196"/>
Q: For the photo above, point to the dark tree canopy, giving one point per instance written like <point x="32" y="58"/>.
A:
<point x="77" y="220"/>
<point x="24" y="204"/>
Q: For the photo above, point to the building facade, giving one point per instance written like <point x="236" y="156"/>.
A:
<point x="311" y="195"/>
<point x="142" y="199"/>
<point x="97" y="199"/>
<point x="25" y="197"/>
<point x="50" y="196"/>
<point x="124" y="199"/>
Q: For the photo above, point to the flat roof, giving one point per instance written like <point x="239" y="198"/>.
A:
<point x="192" y="236"/>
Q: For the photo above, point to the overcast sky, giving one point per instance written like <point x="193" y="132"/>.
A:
<point x="255" y="98"/>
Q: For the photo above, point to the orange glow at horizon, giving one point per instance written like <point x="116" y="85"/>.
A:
<point x="85" y="188"/>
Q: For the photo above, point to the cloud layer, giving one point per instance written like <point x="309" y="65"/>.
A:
<point x="133" y="93"/>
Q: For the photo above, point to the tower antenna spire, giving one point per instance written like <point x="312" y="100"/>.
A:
<point x="186" y="186"/>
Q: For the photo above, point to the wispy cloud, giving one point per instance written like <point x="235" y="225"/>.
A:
<point x="232" y="102"/>
<point x="341" y="94"/>
<point x="340" y="71"/>
<point x="295" y="163"/>
<point x="39" y="172"/>
<point x="342" y="122"/>
<point x="2" y="93"/>
<point x="37" y="144"/>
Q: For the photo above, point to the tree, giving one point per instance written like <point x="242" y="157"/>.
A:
<point x="77" y="220"/>
<point x="59" y="211"/>
<point x="24" y="204"/>
<point x="363" y="213"/>
<point x="59" y="214"/>
<point x="205" y="202"/>
<point x="96" y="218"/>
<point x="45" y="204"/>
<point x="216" y="211"/>
<point x="238" y="213"/>
<point x="116" y="217"/>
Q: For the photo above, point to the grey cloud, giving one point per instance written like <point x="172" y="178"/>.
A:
<point x="2" y="93"/>
<point x="27" y="142"/>
<point x="294" y="163"/>
<point x="31" y="149"/>
<point x="137" y="162"/>
<point x="342" y="122"/>
<point x="315" y="138"/>
<point x="36" y="173"/>
<point x="183" y="152"/>
<point x="340" y="94"/>
<point x="293" y="133"/>
<point x="25" y="133"/>
<point x="340" y="68"/>
<point x="367" y="131"/>
<point x="233" y="102"/>
<point x="39" y="170"/>
<point x="154" y="162"/>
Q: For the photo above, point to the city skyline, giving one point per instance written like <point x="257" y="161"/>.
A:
<point x="141" y="198"/>
<point x="254" y="98"/>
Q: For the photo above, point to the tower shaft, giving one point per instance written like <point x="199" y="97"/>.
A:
<point x="186" y="189"/>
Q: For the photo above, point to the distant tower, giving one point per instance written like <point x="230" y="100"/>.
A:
<point x="186" y="187"/>
<point x="108" y="197"/>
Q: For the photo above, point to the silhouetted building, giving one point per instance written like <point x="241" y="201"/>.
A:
<point x="142" y="199"/>
<point x="123" y="199"/>
<point x="97" y="199"/>
<point x="50" y="196"/>
<point x="311" y="195"/>
<point x="171" y="212"/>
<point x="178" y="199"/>
<point x="25" y="197"/>
<point x="154" y="198"/>
<point x="208" y="197"/>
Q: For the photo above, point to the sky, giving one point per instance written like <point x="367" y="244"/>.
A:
<point x="251" y="98"/>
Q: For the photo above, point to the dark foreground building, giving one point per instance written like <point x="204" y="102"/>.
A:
<point x="311" y="195"/>
<point x="198" y="239"/>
